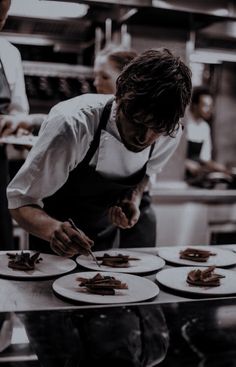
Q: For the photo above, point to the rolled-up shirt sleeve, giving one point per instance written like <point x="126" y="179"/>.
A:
<point x="61" y="146"/>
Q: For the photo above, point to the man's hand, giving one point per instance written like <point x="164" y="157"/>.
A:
<point x="68" y="242"/>
<point x="124" y="215"/>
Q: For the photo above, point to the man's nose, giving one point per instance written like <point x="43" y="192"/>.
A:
<point x="146" y="136"/>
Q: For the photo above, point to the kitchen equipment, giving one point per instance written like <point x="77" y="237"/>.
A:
<point x="78" y="230"/>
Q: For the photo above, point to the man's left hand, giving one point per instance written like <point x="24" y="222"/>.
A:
<point x="124" y="215"/>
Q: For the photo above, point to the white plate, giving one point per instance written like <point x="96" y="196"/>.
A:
<point x="51" y="265"/>
<point x="221" y="259"/>
<point x="139" y="289"/>
<point x="175" y="278"/>
<point x="29" y="140"/>
<point x="147" y="263"/>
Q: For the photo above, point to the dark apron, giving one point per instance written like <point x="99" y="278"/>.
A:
<point x="6" y="235"/>
<point x="87" y="195"/>
<point x="194" y="150"/>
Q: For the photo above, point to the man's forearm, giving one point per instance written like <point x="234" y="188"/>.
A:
<point x="137" y="193"/>
<point x="35" y="221"/>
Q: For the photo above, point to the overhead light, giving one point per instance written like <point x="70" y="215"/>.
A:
<point x="47" y="9"/>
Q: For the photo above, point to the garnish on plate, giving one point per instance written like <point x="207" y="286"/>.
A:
<point x="194" y="254"/>
<point x="101" y="284"/>
<point x="116" y="261"/>
<point x="204" y="278"/>
<point x="23" y="260"/>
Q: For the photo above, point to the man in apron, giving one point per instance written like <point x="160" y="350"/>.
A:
<point x="95" y="153"/>
<point x="13" y="101"/>
<point x="108" y="64"/>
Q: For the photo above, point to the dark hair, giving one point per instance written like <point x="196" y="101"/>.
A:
<point x="198" y="92"/>
<point x="157" y="85"/>
<point x="119" y="57"/>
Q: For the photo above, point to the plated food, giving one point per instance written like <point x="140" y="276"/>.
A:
<point x="117" y="260"/>
<point x="204" y="278"/>
<point x="122" y="261"/>
<point x="197" y="255"/>
<point x="132" y="288"/>
<point x="50" y="265"/>
<point x="177" y="279"/>
<point x="23" y="260"/>
<point x="101" y="284"/>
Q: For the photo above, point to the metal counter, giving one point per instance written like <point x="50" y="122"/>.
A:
<point x="38" y="295"/>
<point x="188" y="193"/>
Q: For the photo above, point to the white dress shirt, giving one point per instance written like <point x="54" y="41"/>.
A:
<point x="64" y="139"/>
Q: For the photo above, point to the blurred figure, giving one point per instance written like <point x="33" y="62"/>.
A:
<point x="13" y="101"/>
<point x="108" y="65"/>
<point x="199" y="144"/>
<point x="14" y="118"/>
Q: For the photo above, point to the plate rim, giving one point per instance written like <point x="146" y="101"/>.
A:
<point x="24" y="275"/>
<point x="194" y="290"/>
<point x="125" y="270"/>
<point x="90" y="273"/>
<point x="185" y="262"/>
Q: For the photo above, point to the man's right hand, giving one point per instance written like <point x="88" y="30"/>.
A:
<point x="66" y="241"/>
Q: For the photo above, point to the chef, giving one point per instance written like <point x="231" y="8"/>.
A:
<point x="108" y="64"/>
<point x="95" y="153"/>
<point x="13" y="102"/>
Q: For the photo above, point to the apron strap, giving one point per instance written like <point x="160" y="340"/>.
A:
<point x="102" y="125"/>
<point x="151" y="150"/>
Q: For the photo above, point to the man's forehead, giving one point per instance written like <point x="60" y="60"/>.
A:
<point x="206" y="98"/>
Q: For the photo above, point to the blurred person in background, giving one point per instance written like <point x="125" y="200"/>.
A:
<point x="14" y="118"/>
<point x="108" y="65"/>
<point x="198" y="133"/>
<point x="13" y="101"/>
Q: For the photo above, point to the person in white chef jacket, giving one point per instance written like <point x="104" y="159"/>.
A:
<point x="13" y="102"/>
<point x="93" y="167"/>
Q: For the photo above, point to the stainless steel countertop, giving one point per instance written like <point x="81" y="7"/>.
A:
<point x="182" y="192"/>
<point x="38" y="295"/>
